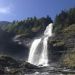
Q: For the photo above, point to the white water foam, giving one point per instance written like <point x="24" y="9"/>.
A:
<point x="38" y="54"/>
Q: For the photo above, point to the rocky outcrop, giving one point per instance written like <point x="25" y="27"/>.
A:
<point x="62" y="45"/>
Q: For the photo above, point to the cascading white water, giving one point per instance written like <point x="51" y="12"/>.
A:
<point x="32" y="55"/>
<point x="38" y="52"/>
<point x="44" y="56"/>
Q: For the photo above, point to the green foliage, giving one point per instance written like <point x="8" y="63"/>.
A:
<point x="69" y="31"/>
<point x="29" y="26"/>
<point x="64" y="19"/>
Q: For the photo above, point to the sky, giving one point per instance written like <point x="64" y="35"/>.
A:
<point x="21" y="9"/>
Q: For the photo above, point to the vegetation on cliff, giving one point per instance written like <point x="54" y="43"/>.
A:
<point x="64" y="40"/>
<point x="62" y="44"/>
<point x="30" y="26"/>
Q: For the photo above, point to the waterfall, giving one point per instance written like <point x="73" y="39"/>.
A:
<point x="38" y="54"/>
<point x="44" y="56"/>
<point x="33" y="57"/>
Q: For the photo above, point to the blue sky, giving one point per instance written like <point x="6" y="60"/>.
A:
<point x="20" y="9"/>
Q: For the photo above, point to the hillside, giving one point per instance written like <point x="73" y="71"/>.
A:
<point x="61" y="46"/>
<point x="4" y="24"/>
<point x="28" y="29"/>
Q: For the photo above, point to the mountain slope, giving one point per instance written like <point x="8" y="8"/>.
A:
<point x="4" y="24"/>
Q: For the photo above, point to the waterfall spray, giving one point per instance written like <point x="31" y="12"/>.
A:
<point x="38" y="54"/>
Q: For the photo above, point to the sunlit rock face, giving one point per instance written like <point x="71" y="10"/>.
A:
<point x="38" y="54"/>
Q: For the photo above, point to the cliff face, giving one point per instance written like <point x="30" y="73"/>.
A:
<point x="11" y="48"/>
<point x="27" y="30"/>
<point x="62" y="46"/>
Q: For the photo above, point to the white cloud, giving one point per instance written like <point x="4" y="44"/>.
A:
<point x="5" y="10"/>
